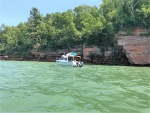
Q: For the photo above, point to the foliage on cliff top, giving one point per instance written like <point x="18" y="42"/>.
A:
<point x="83" y="25"/>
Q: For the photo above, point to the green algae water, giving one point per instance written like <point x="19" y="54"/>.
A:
<point x="39" y="87"/>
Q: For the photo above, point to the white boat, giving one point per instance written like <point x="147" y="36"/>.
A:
<point x="70" y="59"/>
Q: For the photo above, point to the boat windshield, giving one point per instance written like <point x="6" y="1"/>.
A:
<point x="63" y="57"/>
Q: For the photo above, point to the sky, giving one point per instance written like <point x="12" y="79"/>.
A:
<point x="12" y="12"/>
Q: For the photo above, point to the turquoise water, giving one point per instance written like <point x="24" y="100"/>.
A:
<point x="35" y="87"/>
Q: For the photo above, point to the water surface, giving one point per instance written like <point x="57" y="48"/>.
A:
<point x="35" y="87"/>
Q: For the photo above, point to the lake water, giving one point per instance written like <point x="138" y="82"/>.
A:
<point x="39" y="87"/>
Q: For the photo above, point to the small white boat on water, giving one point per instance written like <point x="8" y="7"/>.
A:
<point x="70" y="59"/>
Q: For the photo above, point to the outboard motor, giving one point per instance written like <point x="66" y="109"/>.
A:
<point x="80" y="64"/>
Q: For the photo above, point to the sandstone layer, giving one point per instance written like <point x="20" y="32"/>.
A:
<point x="136" y="47"/>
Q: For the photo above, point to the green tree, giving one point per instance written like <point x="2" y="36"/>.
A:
<point x="89" y="22"/>
<point x="34" y="29"/>
<point x="9" y="39"/>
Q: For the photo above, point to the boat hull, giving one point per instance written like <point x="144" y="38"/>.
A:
<point x="63" y="63"/>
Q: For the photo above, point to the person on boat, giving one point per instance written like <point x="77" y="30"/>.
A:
<point x="74" y="63"/>
<point x="62" y="57"/>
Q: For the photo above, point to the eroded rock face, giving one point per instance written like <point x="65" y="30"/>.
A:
<point x="136" y="48"/>
<point x="3" y="57"/>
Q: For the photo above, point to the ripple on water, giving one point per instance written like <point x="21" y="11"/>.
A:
<point x="45" y="87"/>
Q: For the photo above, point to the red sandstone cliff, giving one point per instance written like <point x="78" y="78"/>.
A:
<point x="136" y="47"/>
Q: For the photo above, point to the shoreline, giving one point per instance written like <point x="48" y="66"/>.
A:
<point x="89" y="63"/>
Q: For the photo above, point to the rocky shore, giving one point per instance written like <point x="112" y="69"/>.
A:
<point x="133" y="49"/>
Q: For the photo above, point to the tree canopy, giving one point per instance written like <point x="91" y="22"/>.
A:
<point x="84" y="25"/>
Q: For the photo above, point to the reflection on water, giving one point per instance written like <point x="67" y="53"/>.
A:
<point x="45" y="87"/>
